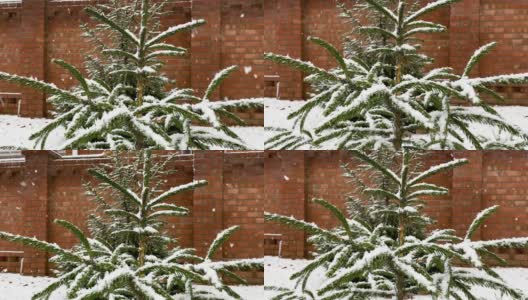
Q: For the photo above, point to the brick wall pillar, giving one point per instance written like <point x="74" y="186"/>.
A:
<point x="284" y="35"/>
<point x="206" y="55"/>
<point x="33" y="54"/>
<point x="466" y="191"/>
<point x="284" y="189"/>
<point x="35" y="207"/>
<point x="207" y="210"/>
<point x="464" y="33"/>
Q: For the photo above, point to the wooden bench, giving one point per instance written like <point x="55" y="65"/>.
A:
<point x="272" y="86"/>
<point x="11" y="101"/>
<point x="273" y="244"/>
<point x="12" y="261"/>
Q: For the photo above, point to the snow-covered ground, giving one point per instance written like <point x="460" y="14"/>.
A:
<point x="17" y="287"/>
<point x="277" y="111"/>
<point x="15" y="132"/>
<point x="278" y="270"/>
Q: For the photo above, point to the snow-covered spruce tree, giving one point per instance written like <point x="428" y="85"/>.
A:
<point x="125" y="168"/>
<point x="358" y="44"/>
<point x="100" y="269"/>
<point x="131" y="112"/>
<point x="382" y="95"/>
<point x="100" y="64"/>
<point x="371" y="256"/>
<point x="363" y="176"/>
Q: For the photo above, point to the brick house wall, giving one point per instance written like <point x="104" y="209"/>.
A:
<point x="240" y="31"/>
<point x="294" y="178"/>
<point x="43" y="186"/>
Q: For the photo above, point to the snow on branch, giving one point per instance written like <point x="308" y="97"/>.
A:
<point x="173" y="30"/>
<point x="428" y="8"/>
<point x="176" y="190"/>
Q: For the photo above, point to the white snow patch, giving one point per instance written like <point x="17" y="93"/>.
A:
<point x="14" y="286"/>
<point x="276" y="115"/>
<point x="15" y="132"/>
<point x="278" y="270"/>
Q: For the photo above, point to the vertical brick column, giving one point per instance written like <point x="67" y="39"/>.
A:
<point x="466" y="191"/>
<point x="207" y="210"/>
<point x="35" y="207"/>
<point x="206" y="56"/>
<point x="504" y="184"/>
<point x="284" y="189"/>
<point x="464" y="33"/>
<point x="284" y="35"/>
<point x="33" y="54"/>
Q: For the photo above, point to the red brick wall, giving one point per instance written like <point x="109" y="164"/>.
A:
<point x="490" y="178"/>
<point x="243" y="205"/>
<point x="284" y="35"/>
<point x="284" y="193"/>
<point x="178" y="68"/>
<point x="64" y="41"/>
<point x="503" y="22"/>
<point x="503" y="184"/>
<point x="10" y="47"/>
<point x="47" y="187"/>
<point x="239" y="32"/>
<point x="33" y="48"/>
<point x="11" y="204"/>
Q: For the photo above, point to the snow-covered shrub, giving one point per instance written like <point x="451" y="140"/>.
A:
<point x="381" y="93"/>
<point x="123" y="103"/>
<point x="377" y="251"/>
<point x="132" y="258"/>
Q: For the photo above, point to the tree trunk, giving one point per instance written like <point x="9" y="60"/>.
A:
<point x="140" y="142"/>
<point x="398" y="131"/>
<point x="398" y="123"/>
<point x="400" y="278"/>
<point x="141" y="258"/>
<point x="400" y="287"/>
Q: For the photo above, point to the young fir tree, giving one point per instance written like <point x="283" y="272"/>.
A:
<point x="125" y="168"/>
<point x="360" y="202"/>
<point x="382" y="93"/>
<point x="102" y="65"/>
<point x="377" y="254"/>
<point x="361" y="45"/>
<point x="133" y="261"/>
<point x="123" y="105"/>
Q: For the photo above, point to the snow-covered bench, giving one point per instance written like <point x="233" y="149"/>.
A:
<point x="12" y="259"/>
<point x="11" y="99"/>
